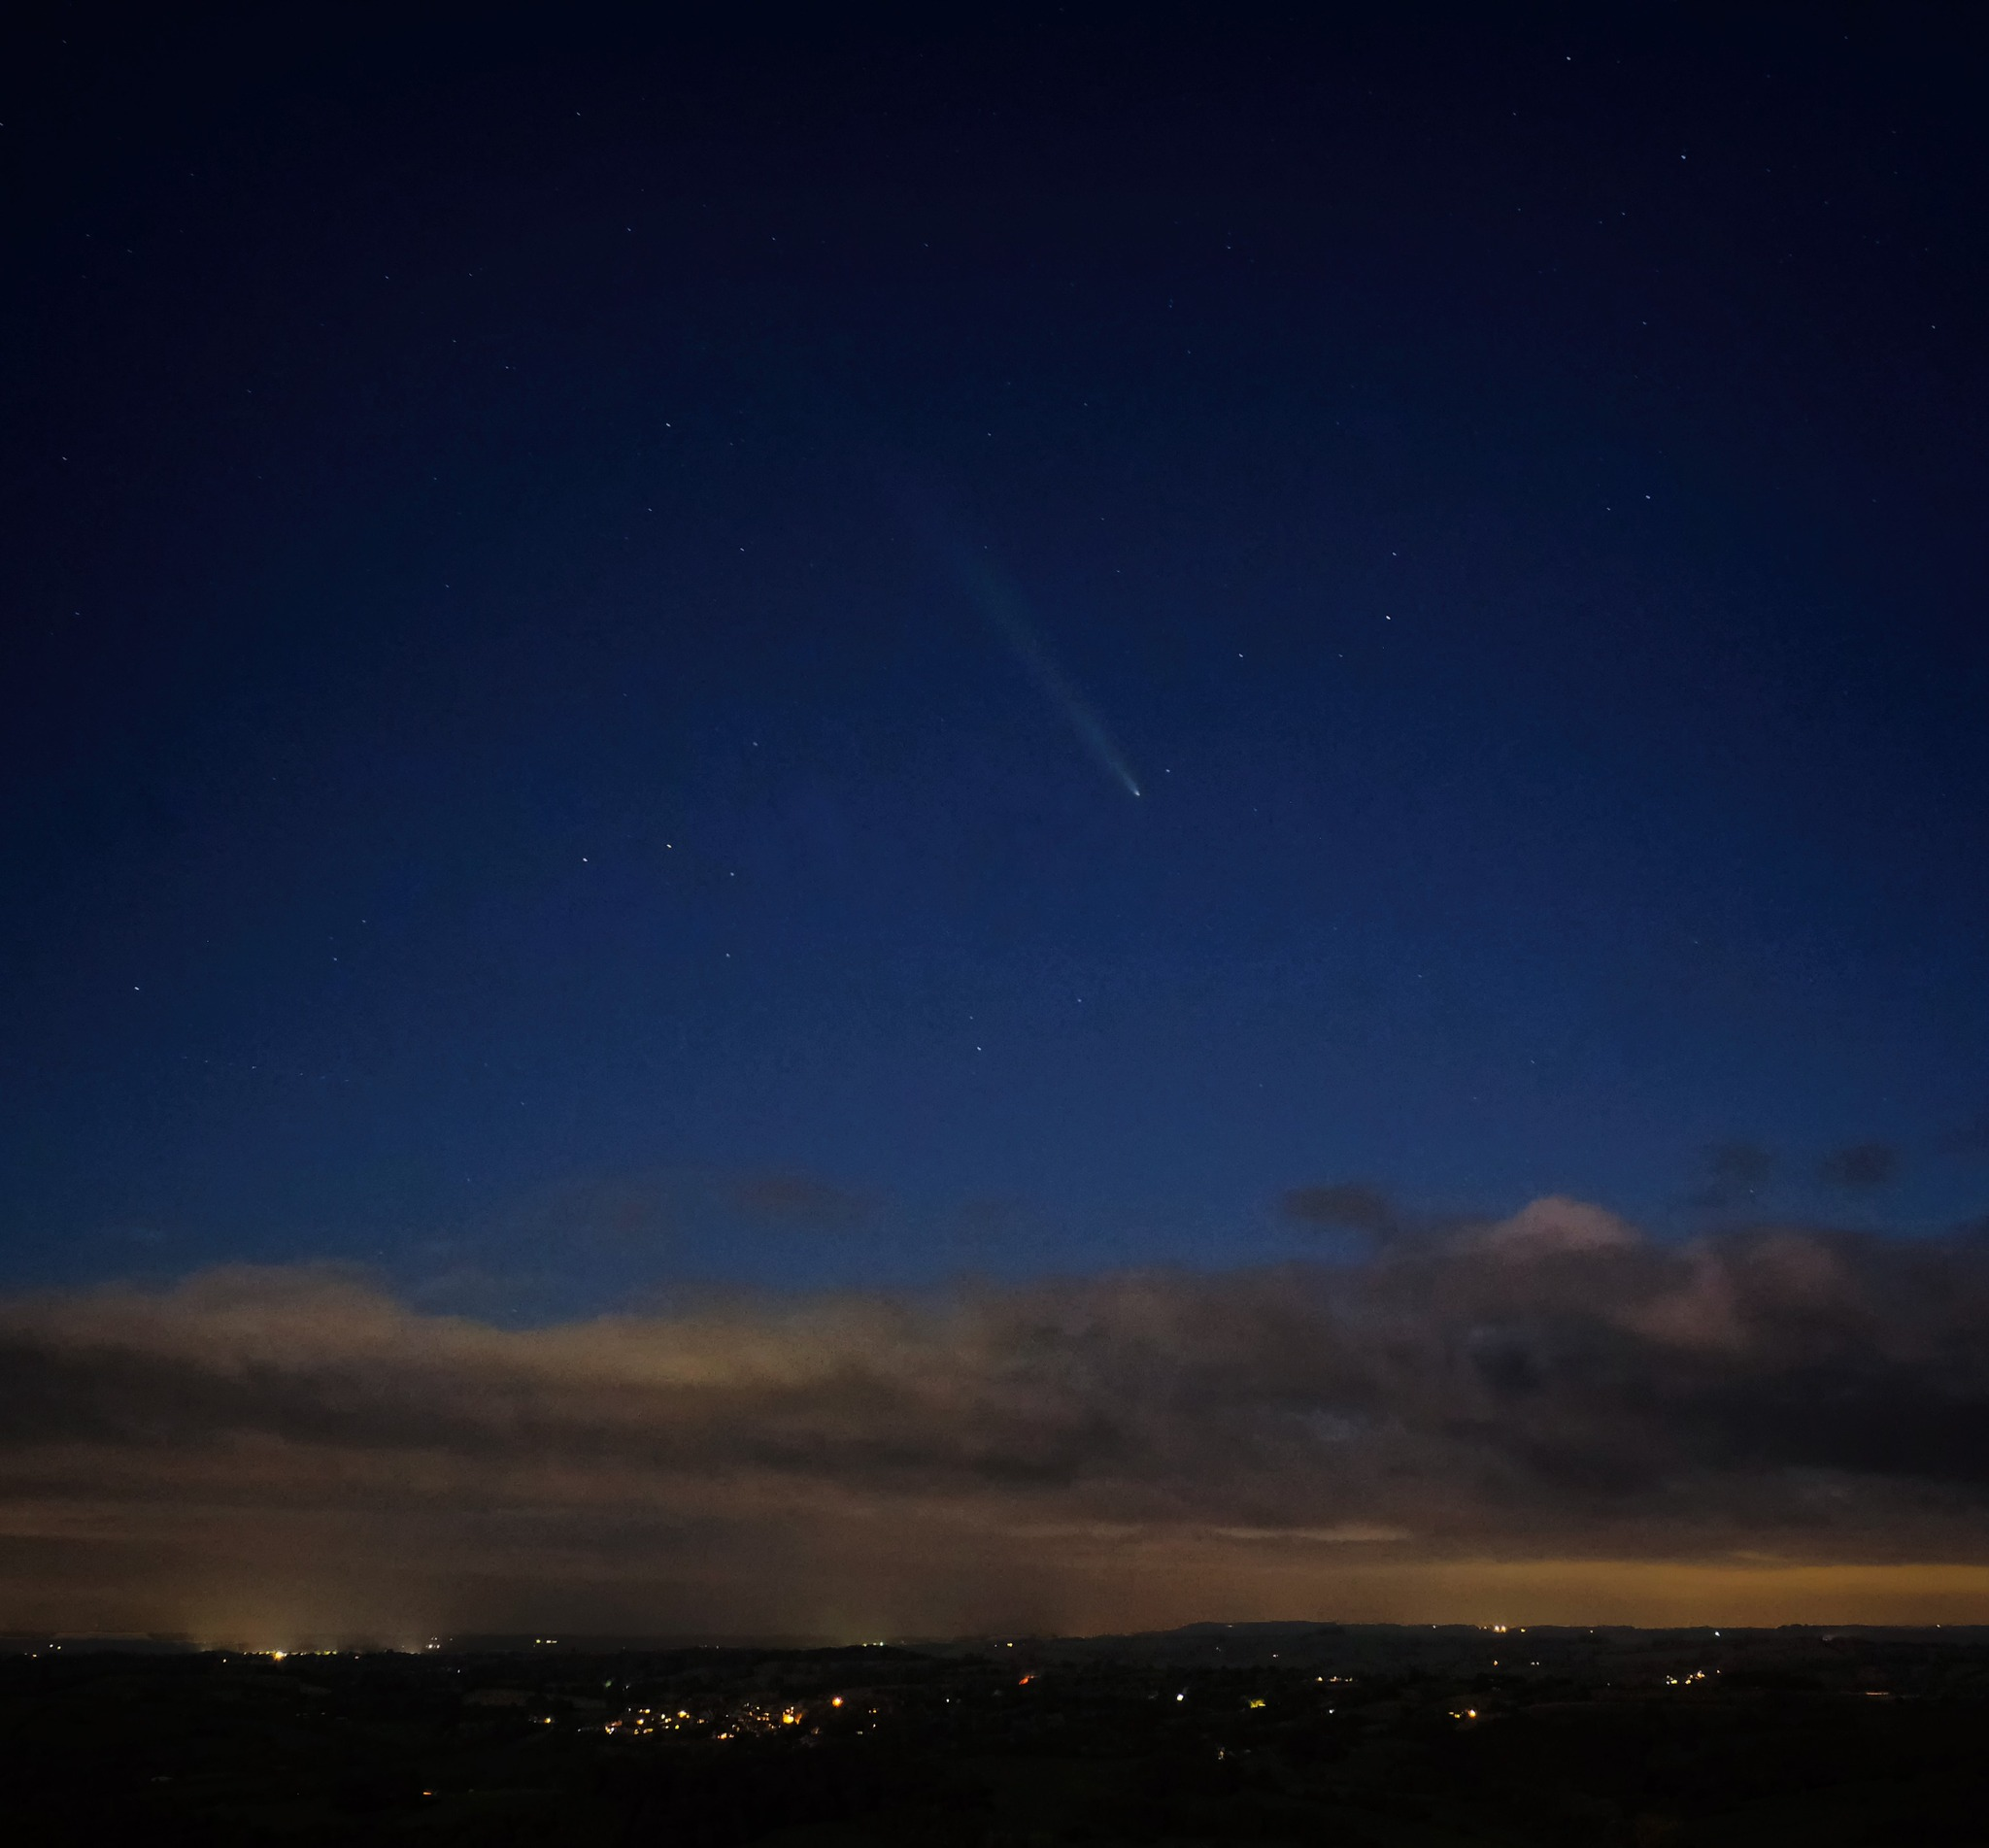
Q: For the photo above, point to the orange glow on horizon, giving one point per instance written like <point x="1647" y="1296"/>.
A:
<point x="1650" y="1593"/>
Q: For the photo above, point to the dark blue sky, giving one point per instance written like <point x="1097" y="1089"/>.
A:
<point x="501" y="781"/>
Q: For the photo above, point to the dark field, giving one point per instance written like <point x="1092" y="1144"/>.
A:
<point x="1259" y="1734"/>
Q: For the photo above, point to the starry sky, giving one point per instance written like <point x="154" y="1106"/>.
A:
<point x="685" y="683"/>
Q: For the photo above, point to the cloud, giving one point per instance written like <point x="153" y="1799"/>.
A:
<point x="798" y="1199"/>
<point x="1086" y="1452"/>
<point x="1735" y="1173"/>
<point x="1970" y="1138"/>
<point x="1351" y="1205"/>
<point x="1860" y="1167"/>
<point x="1555" y="1228"/>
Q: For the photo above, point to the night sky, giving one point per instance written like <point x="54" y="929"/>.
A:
<point x="1015" y="816"/>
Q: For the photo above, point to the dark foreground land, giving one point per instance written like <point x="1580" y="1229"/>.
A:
<point x="1367" y="1736"/>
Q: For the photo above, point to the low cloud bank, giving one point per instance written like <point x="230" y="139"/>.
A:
<point x="294" y="1448"/>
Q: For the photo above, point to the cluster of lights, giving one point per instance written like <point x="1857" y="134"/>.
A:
<point x="766" y="1719"/>
<point x="645" y="1721"/>
<point x="1685" y="1681"/>
<point x="743" y="1722"/>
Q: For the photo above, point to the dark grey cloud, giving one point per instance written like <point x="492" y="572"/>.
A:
<point x="1553" y="1386"/>
<point x="798" y="1199"/>
<point x="1345" y="1205"/>
<point x="1970" y="1138"/>
<point x="1736" y="1173"/>
<point x="1860" y="1167"/>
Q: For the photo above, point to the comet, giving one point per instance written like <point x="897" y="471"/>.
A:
<point x="1003" y="607"/>
<point x="1006" y="611"/>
